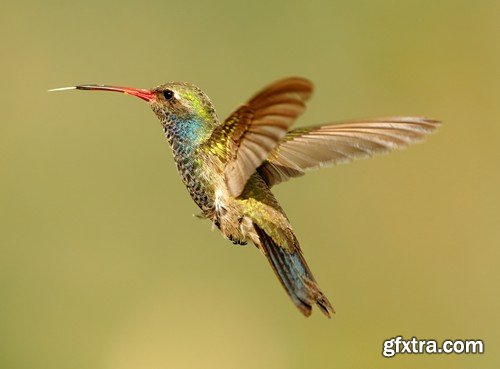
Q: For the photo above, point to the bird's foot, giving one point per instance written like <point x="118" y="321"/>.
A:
<point x="237" y="241"/>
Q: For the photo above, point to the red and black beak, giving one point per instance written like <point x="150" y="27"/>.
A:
<point x="146" y="95"/>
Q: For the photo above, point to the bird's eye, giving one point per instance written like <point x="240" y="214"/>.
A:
<point x="168" y="94"/>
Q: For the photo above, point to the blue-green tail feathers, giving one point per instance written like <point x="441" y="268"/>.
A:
<point x="294" y="274"/>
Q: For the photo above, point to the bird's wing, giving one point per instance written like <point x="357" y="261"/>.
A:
<point x="312" y="148"/>
<point x="249" y="134"/>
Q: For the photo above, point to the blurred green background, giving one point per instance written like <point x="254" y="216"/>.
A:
<point x="102" y="264"/>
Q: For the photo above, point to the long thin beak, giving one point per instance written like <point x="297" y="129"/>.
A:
<point x="146" y="95"/>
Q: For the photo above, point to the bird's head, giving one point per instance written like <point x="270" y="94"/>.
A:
<point x="180" y="101"/>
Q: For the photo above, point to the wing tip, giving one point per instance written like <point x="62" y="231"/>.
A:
<point x="418" y="119"/>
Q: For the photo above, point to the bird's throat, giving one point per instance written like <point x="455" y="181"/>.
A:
<point x="185" y="135"/>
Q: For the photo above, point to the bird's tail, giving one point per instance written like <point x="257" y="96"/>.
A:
<point x="294" y="274"/>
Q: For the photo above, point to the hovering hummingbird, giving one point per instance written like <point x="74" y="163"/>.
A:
<point x="229" y="167"/>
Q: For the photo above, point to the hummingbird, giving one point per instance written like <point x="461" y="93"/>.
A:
<point x="230" y="166"/>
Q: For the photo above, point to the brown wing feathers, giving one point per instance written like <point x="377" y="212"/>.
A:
<point x="312" y="148"/>
<point x="259" y="139"/>
<point x="269" y="114"/>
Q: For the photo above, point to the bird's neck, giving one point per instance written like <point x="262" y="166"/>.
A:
<point x="184" y="138"/>
<point x="185" y="134"/>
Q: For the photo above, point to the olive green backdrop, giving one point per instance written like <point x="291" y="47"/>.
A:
<point x="102" y="264"/>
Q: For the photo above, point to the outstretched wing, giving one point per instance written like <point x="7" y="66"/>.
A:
<point x="247" y="137"/>
<point x="316" y="147"/>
